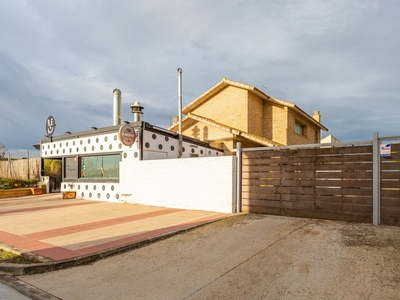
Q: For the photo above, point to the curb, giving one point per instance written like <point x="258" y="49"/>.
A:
<point x="27" y="289"/>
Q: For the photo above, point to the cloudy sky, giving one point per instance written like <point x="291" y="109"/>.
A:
<point x="64" y="58"/>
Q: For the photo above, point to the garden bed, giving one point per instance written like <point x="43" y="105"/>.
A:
<point x="10" y="187"/>
<point x="20" y="192"/>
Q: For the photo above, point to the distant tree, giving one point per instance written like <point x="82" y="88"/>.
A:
<point x="2" y="150"/>
<point x="52" y="167"/>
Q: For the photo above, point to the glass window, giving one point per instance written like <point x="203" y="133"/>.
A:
<point x="299" y="129"/>
<point x="102" y="166"/>
<point x="71" y="167"/>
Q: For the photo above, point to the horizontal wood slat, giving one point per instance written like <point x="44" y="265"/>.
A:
<point x="308" y="152"/>
<point x="330" y="183"/>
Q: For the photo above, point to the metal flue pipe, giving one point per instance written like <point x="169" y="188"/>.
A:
<point x="180" y="111"/>
<point x="117" y="107"/>
<point x="136" y="110"/>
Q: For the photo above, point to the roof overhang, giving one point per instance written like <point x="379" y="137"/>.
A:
<point x="227" y="82"/>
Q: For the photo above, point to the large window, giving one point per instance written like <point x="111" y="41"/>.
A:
<point x="102" y="166"/>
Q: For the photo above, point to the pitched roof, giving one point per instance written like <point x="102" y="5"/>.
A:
<point x="227" y="82"/>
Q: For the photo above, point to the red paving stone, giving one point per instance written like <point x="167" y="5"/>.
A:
<point x="35" y="242"/>
<point x="37" y="247"/>
<point x="147" y="235"/>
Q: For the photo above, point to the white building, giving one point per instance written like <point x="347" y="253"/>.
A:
<point x="329" y="139"/>
<point x="98" y="164"/>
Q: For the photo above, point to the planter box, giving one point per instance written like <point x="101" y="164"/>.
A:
<point x="69" y="195"/>
<point x="15" y="193"/>
<point x="37" y="191"/>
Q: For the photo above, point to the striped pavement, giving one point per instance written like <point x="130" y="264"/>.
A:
<point x="59" y="229"/>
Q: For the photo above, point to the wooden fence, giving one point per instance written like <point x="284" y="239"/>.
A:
<point x="328" y="183"/>
<point x="20" y="168"/>
<point x="390" y="187"/>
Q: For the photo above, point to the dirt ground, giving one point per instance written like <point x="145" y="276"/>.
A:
<point x="245" y="257"/>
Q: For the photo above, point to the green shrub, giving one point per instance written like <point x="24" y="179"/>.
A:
<point x="9" y="183"/>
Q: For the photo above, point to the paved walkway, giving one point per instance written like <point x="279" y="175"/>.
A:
<point x="57" y="229"/>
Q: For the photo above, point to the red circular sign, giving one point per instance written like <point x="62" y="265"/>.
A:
<point x="127" y="135"/>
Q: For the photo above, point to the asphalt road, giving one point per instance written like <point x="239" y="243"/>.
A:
<point x="8" y="293"/>
<point x="245" y="257"/>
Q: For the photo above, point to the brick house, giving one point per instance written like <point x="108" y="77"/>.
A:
<point x="233" y="112"/>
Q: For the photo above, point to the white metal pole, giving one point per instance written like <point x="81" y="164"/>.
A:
<point x="239" y="177"/>
<point x="180" y="111"/>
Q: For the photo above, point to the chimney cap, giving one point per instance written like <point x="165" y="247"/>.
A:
<point x="136" y="108"/>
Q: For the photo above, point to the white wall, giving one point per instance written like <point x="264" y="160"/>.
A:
<point x="329" y="139"/>
<point x="205" y="183"/>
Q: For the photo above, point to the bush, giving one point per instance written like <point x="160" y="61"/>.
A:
<point x="9" y="183"/>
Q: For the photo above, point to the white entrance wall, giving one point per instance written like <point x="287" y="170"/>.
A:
<point x="205" y="183"/>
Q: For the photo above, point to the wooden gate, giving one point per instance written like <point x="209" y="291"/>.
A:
<point x="390" y="187"/>
<point x="328" y="183"/>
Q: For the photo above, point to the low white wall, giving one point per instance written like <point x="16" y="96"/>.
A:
<point x="206" y="183"/>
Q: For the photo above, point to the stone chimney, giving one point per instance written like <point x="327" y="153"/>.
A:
<point x="175" y="120"/>
<point x="316" y="116"/>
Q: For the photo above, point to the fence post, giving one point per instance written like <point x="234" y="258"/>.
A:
<point x="27" y="159"/>
<point x="9" y="166"/>
<point x="239" y="177"/>
<point x="376" y="180"/>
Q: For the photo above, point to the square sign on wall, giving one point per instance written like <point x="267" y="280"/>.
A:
<point x="385" y="150"/>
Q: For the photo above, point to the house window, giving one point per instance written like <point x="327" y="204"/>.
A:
<point x="300" y="129"/>
<point x="101" y="166"/>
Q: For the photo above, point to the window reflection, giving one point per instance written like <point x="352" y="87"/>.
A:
<point x="102" y="166"/>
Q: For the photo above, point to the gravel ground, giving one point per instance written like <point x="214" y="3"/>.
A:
<point x="245" y="257"/>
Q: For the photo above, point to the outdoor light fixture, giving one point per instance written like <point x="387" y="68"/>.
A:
<point x="95" y="128"/>
<point x="68" y="132"/>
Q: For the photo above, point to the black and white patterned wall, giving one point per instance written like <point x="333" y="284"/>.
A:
<point x="155" y="146"/>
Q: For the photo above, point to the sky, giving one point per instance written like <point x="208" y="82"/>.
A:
<point x="65" y="58"/>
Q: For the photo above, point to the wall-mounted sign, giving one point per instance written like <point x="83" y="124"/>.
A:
<point x="127" y="135"/>
<point x="385" y="150"/>
<point x="50" y="126"/>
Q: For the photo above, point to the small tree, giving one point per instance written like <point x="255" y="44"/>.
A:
<point x="2" y="150"/>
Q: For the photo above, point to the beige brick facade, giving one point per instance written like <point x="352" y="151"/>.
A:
<point x="229" y="106"/>
<point x="233" y="112"/>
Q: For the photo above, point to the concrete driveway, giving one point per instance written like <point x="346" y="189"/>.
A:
<point x="244" y="257"/>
